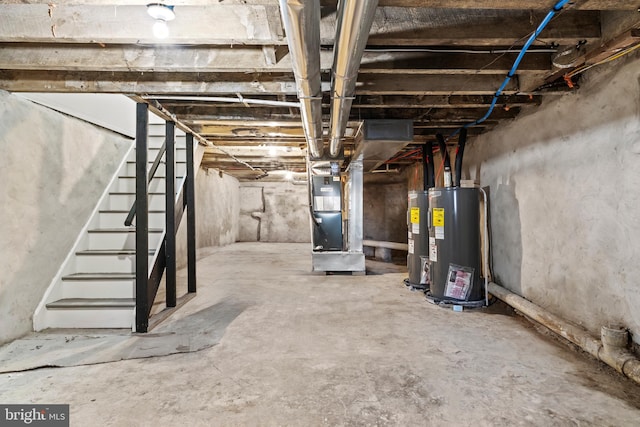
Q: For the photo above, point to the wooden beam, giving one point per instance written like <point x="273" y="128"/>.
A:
<point x="246" y="24"/>
<point x="429" y="27"/>
<point x="186" y="113"/>
<point x="141" y="83"/>
<point x="218" y="23"/>
<point x="433" y="114"/>
<point x="441" y="101"/>
<point x="208" y="59"/>
<point x="451" y="63"/>
<point x="379" y="84"/>
<point x="448" y="4"/>
<point x="232" y="83"/>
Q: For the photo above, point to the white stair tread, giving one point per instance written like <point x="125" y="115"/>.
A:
<point x="152" y="160"/>
<point x="154" y="177"/>
<point x="110" y="252"/>
<point x="122" y="230"/>
<point x="99" y="276"/>
<point x="91" y="303"/>
<point x="129" y="193"/>
<point x="122" y="211"/>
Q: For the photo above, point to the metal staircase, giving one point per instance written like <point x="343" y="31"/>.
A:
<point x="96" y="285"/>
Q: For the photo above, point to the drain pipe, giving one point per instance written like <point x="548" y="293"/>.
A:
<point x="302" y="25"/>
<point x="352" y="31"/>
<point x="612" y="350"/>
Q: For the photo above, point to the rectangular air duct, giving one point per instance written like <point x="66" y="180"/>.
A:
<point x="381" y="140"/>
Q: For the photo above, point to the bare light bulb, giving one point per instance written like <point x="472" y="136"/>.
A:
<point x="160" y="29"/>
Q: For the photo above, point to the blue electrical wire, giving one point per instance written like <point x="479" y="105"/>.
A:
<point x="557" y="8"/>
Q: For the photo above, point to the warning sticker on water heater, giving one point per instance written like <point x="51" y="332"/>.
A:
<point x="439" y="233"/>
<point x="415" y="215"/>
<point x="415" y="228"/>
<point x="433" y="250"/>
<point x="438" y="217"/>
<point x="411" y="247"/>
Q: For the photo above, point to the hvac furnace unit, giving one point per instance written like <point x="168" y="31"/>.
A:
<point x="327" y="213"/>
<point x="454" y="246"/>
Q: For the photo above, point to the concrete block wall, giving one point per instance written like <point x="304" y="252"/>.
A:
<point x="53" y="169"/>
<point x="564" y="183"/>
<point x="273" y="212"/>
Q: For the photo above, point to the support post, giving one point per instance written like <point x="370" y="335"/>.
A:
<point x="191" y="217"/>
<point x="142" y="219"/>
<point x="170" y="213"/>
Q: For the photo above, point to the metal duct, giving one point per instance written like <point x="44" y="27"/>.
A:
<point x="302" y="25"/>
<point x="352" y="31"/>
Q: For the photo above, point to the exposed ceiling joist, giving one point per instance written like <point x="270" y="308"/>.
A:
<point x="260" y="25"/>
<point x="436" y="62"/>
<point x="462" y="4"/>
<point x="211" y="59"/>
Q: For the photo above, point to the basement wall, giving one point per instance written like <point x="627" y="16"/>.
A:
<point x="274" y="212"/>
<point x="217" y="212"/>
<point x="53" y="169"/>
<point x="564" y="185"/>
<point x="385" y="210"/>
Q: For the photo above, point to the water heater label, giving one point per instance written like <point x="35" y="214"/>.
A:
<point x="440" y="233"/>
<point x="415" y="228"/>
<point x="438" y="217"/>
<point x="415" y="215"/>
<point x="411" y="247"/>
<point x="433" y="250"/>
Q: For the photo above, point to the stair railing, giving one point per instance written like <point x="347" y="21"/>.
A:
<point x="147" y="283"/>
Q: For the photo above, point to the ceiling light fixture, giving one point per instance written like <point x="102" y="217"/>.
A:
<point x="162" y="13"/>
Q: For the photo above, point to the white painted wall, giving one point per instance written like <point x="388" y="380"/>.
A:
<point x="274" y="212"/>
<point x="565" y="200"/>
<point x="111" y="111"/>
<point x="53" y="169"/>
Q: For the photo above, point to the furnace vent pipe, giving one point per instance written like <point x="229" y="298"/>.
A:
<point x="462" y="140"/>
<point x="352" y="31"/>
<point x="618" y="358"/>
<point x="302" y="25"/>
<point x="428" y="172"/>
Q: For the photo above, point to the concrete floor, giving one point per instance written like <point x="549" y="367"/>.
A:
<point x="304" y="349"/>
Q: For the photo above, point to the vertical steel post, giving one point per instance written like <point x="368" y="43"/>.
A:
<point x="142" y="219"/>
<point x="170" y="213"/>
<point x="191" y="217"/>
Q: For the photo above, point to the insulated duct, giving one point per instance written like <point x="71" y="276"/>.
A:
<point x="442" y="146"/>
<point x="428" y="169"/>
<point x="302" y="25"/>
<point x="352" y="31"/>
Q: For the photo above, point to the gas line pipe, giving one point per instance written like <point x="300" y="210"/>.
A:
<point x="611" y="352"/>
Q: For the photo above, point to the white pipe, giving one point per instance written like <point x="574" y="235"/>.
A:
<point x="386" y="245"/>
<point x="618" y="358"/>
<point x="238" y="100"/>
<point x="485" y="257"/>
